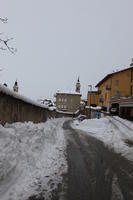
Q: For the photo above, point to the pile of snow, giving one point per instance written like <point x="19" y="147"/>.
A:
<point x="111" y="132"/>
<point x="124" y="121"/>
<point x="32" y="159"/>
<point x="52" y="108"/>
<point x="94" y="108"/>
<point x="48" y="103"/>
<point x="69" y="113"/>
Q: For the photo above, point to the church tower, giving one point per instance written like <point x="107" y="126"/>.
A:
<point x="15" y="87"/>
<point x="77" y="86"/>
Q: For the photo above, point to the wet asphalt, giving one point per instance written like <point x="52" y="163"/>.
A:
<point x="95" y="172"/>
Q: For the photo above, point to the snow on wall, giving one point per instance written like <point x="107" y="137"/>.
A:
<point x="9" y="92"/>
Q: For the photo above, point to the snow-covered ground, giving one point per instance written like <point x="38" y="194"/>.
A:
<point x="114" y="132"/>
<point x="32" y="159"/>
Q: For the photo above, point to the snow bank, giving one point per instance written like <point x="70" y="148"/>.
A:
<point x="94" y="108"/>
<point x="32" y="159"/>
<point x="126" y="122"/>
<point x="111" y="132"/>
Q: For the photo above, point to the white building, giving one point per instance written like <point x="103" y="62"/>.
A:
<point x="69" y="101"/>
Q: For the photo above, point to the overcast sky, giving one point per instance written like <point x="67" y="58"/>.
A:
<point x="59" y="40"/>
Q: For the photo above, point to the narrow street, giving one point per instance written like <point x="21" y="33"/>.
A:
<point x="66" y="100"/>
<point x="53" y="161"/>
<point x="95" y="172"/>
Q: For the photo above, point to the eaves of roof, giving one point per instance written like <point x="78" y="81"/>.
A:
<point x="111" y="74"/>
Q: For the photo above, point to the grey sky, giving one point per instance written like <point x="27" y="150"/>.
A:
<point x="59" y="40"/>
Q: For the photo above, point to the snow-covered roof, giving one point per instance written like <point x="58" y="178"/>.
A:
<point x="52" y="108"/>
<point x="109" y="75"/>
<point x="10" y="92"/>
<point x="94" y="108"/>
<point x="63" y="112"/>
<point x="68" y="93"/>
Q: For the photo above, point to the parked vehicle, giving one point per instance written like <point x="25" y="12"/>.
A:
<point x="82" y="117"/>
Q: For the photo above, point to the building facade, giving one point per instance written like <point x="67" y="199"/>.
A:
<point x="117" y="84"/>
<point x="92" y="98"/>
<point x="69" y="101"/>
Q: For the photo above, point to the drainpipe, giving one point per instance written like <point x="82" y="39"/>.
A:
<point x="90" y="89"/>
<point x="131" y="77"/>
<point x="131" y="81"/>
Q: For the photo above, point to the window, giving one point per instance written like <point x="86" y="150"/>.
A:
<point x="59" y="99"/>
<point x="93" y="98"/>
<point x="117" y="82"/>
<point x="117" y="93"/>
<point x="65" y="100"/>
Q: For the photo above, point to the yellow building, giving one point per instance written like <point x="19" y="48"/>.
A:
<point x="92" y="98"/>
<point x="117" y="84"/>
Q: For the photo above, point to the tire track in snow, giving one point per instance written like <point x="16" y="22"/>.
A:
<point x="96" y="172"/>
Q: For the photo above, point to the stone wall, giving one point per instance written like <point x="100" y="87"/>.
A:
<point x="16" y="110"/>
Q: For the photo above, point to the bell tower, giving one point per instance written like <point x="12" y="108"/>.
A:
<point x="77" y="86"/>
<point x="15" y="87"/>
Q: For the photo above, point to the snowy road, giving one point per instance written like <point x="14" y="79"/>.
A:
<point x="61" y="160"/>
<point x="96" y="172"/>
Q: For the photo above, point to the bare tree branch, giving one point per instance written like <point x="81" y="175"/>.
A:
<point x="4" y="20"/>
<point x="4" y="43"/>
